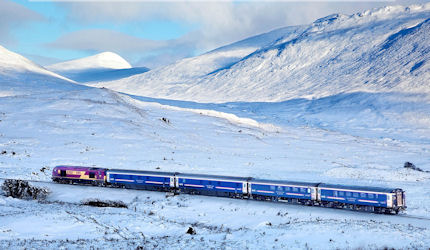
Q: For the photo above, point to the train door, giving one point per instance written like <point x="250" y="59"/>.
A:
<point x="313" y="194"/>
<point x="390" y="198"/>
<point x="400" y="200"/>
<point x="244" y="187"/>
<point x="172" y="182"/>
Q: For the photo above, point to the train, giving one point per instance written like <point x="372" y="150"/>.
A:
<point x="369" y="199"/>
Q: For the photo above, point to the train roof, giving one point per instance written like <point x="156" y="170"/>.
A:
<point x="125" y="171"/>
<point x="212" y="177"/>
<point x="79" y="167"/>
<point x="284" y="182"/>
<point x="358" y="188"/>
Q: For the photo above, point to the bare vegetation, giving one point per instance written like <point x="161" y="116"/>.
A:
<point x="23" y="190"/>
<point x="100" y="203"/>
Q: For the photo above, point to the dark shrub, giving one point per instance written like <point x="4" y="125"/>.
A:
<point x="100" y="203"/>
<point x="23" y="190"/>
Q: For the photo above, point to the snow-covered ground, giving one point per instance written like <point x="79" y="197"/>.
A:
<point x="360" y="137"/>
<point x="98" y="127"/>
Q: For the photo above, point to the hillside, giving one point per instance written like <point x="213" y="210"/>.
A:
<point x="380" y="50"/>
<point x="189" y="69"/>
<point x="18" y="75"/>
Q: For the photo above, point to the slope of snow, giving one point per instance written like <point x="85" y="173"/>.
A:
<point x="192" y="68"/>
<point x="99" y="75"/>
<point x="381" y="50"/>
<point x="18" y="75"/>
<point x="98" y="127"/>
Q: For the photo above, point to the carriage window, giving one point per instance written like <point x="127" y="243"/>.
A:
<point x="355" y="195"/>
<point x="303" y="190"/>
<point x="363" y="195"/>
<point x="92" y="175"/>
<point x="295" y="189"/>
<point x="348" y="194"/>
<point x="371" y="196"/>
<point x="272" y="187"/>
<point x="341" y="193"/>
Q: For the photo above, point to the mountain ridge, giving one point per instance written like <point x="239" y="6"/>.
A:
<point x="335" y="54"/>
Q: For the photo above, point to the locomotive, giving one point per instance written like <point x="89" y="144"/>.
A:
<point x="371" y="199"/>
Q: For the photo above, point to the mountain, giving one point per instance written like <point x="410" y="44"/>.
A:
<point x="189" y="69"/>
<point x="19" y="75"/>
<point x="384" y="49"/>
<point x="105" y="66"/>
<point x="105" y="60"/>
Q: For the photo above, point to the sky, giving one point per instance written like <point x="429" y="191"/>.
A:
<point x="151" y="33"/>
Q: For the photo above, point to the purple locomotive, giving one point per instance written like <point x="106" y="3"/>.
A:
<point x="77" y="174"/>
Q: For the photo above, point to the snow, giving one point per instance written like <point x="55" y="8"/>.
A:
<point x="379" y="50"/>
<point x="99" y="127"/>
<point x="337" y="130"/>
<point x="12" y="64"/>
<point x="105" y="60"/>
<point x="106" y="66"/>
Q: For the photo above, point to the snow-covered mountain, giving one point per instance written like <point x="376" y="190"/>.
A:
<point x="105" y="60"/>
<point x="384" y="49"/>
<point x="19" y="75"/>
<point x="106" y="66"/>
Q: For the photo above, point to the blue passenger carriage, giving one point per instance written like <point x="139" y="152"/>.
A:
<point x="374" y="199"/>
<point x="214" y="185"/>
<point x="286" y="191"/>
<point x="148" y="180"/>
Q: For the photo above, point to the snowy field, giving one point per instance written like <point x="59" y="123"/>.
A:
<point x="335" y="116"/>
<point x="97" y="127"/>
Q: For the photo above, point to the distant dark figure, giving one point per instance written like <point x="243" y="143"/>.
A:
<point x="191" y="231"/>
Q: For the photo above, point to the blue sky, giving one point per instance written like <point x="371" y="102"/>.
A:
<point x="149" y="34"/>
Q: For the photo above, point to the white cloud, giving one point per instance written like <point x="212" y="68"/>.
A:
<point x="132" y="48"/>
<point x="219" y="23"/>
<point x="13" y="15"/>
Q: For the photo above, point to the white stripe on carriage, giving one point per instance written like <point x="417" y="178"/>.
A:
<point x="263" y="191"/>
<point x="229" y="188"/>
<point x="368" y="201"/>
<point x="211" y="179"/>
<point x="193" y="185"/>
<point x="124" y="180"/>
<point x="154" y="182"/>
<point x="354" y="190"/>
<point x="281" y="185"/>
<point x="151" y="175"/>
<point x="295" y="194"/>
<point x="335" y="198"/>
